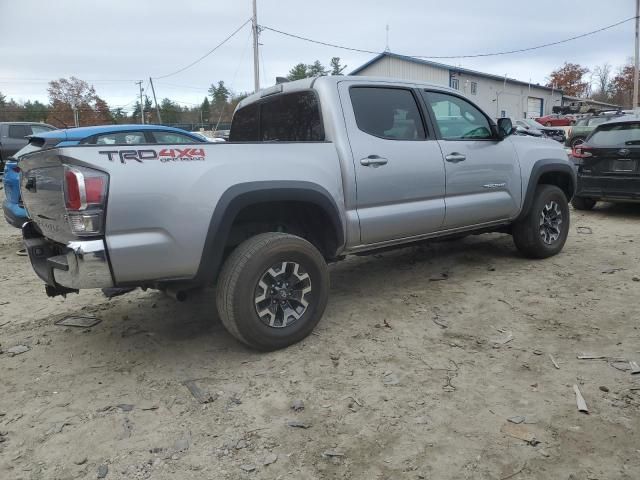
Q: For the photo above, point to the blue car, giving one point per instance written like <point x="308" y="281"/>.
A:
<point x="12" y="207"/>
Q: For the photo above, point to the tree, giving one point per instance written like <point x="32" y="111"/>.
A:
<point x="298" y="72"/>
<point x="170" y="111"/>
<point x="602" y="76"/>
<point x="336" y="67"/>
<point x="70" y="96"/>
<point x="569" y="79"/>
<point x="622" y="86"/>
<point x="219" y="94"/>
<point x="35" y="111"/>
<point x="119" y="116"/>
<point x="316" y="69"/>
<point x="205" y="109"/>
<point x="148" y="107"/>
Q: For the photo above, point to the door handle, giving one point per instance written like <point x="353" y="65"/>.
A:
<point x="455" y="157"/>
<point x="373" y="161"/>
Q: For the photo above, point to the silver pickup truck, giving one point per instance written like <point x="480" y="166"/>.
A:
<point x="315" y="169"/>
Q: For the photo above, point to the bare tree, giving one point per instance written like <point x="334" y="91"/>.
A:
<point x="602" y="79"/>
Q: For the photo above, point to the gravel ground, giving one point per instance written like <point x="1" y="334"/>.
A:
<point x="423" y="356"/>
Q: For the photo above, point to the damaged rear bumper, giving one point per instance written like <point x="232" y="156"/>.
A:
<point x="67" y="268"/>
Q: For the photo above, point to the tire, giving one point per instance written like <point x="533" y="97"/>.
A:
<point x="548" y="124"/>
<point x="582" y="203"/>
<point x="528" y="232"/>
<point x="576" y="141"/>
<point x="239" y="288"/>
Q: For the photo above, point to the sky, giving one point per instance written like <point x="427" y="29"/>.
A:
<point x="113" y="43"/>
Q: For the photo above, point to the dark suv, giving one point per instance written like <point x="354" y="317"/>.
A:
<point x="609" y="164"/>
<point x="13" y="137"/>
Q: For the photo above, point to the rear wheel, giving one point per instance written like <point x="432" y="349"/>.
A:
<point x="548" y="124"/>
<point x="582" y="203"/>
<point x="543" y="232"/>
<point x="273" y="290"/>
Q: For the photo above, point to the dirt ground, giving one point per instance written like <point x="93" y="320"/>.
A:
<point x="422" y="357"/>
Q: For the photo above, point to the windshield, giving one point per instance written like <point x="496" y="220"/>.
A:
<point x="531" y="123"/>
<point x="616" y="135"/>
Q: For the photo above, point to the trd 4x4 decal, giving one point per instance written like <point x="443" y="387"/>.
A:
<point x="165" y="155"/>
<point x="181" y="155"/>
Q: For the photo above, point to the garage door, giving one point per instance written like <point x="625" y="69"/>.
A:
<point x="534" y="107"/>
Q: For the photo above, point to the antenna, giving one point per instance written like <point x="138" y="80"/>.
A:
<point x="386" y="49"/>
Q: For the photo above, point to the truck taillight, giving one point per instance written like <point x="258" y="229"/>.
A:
<point x="85" y="193"/>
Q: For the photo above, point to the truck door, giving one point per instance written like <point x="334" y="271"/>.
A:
<point x="400" y="175"/>
<point x="483" y="173"/>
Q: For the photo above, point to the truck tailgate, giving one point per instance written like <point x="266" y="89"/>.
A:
<point x="41" y="185"/>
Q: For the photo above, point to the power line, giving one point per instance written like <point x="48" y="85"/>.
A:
<point x="476" y="55"/>
<point x="206" y="54"/>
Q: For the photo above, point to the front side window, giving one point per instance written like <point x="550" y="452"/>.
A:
<point x="457" y="119"/>
<point x="19" y="131"/>
<point x="121" y="138"/>
<point x="292" y="117"/>
<point x="389" y="113"/>
<point x="172" y="137"/>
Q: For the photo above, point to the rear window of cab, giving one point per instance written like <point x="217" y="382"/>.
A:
<point x="616" y="135"/>
<point x="290" y="117"/>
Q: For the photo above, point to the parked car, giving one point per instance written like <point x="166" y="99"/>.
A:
<point x="203" y="137"/>
<point x="13" y="136"/>
<point x="608" y="164"/>
<point x="260" y="216"/>
<point x="578" y="133"/>
<point x="532" y="127"/>
<point x="12" y="207"/>
<point x="555" y="120"/>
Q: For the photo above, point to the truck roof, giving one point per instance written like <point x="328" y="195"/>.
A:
<point x="308" y="83"/>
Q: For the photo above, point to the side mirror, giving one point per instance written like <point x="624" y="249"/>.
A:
<point x="505" y="127"/>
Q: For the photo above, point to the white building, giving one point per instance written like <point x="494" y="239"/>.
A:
<point x="496" y="95"/>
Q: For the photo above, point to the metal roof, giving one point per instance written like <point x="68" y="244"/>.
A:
<point x="429" y="63"/>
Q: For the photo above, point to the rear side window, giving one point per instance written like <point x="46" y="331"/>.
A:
<point x="121" y="138"/>
<point x="293" y="117"/>
<point x="598" y="121"/>
<point x="172" y="137"/>
<point x="389" y="113"/>
<point x="19" y="131"/>
<point x="246" y="124"/>
<point x="616" y="135"/>
<point x="35" y="129"/>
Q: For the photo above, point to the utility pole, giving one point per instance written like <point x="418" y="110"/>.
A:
<point x="141" y="103"/>
<point x="256" y="54"/>
<point x="637" y="65"/>
<point x="386" y="48"/>
<point x="153" y="90"/>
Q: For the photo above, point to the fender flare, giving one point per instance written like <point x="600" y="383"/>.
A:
<point x="243" y="195"/>
<point x="540" y="168"/>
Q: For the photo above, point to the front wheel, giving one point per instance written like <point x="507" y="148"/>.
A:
<point x="543" y="231"/>
<point x="273" y="290"/>
<point x="548" y="124"/>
